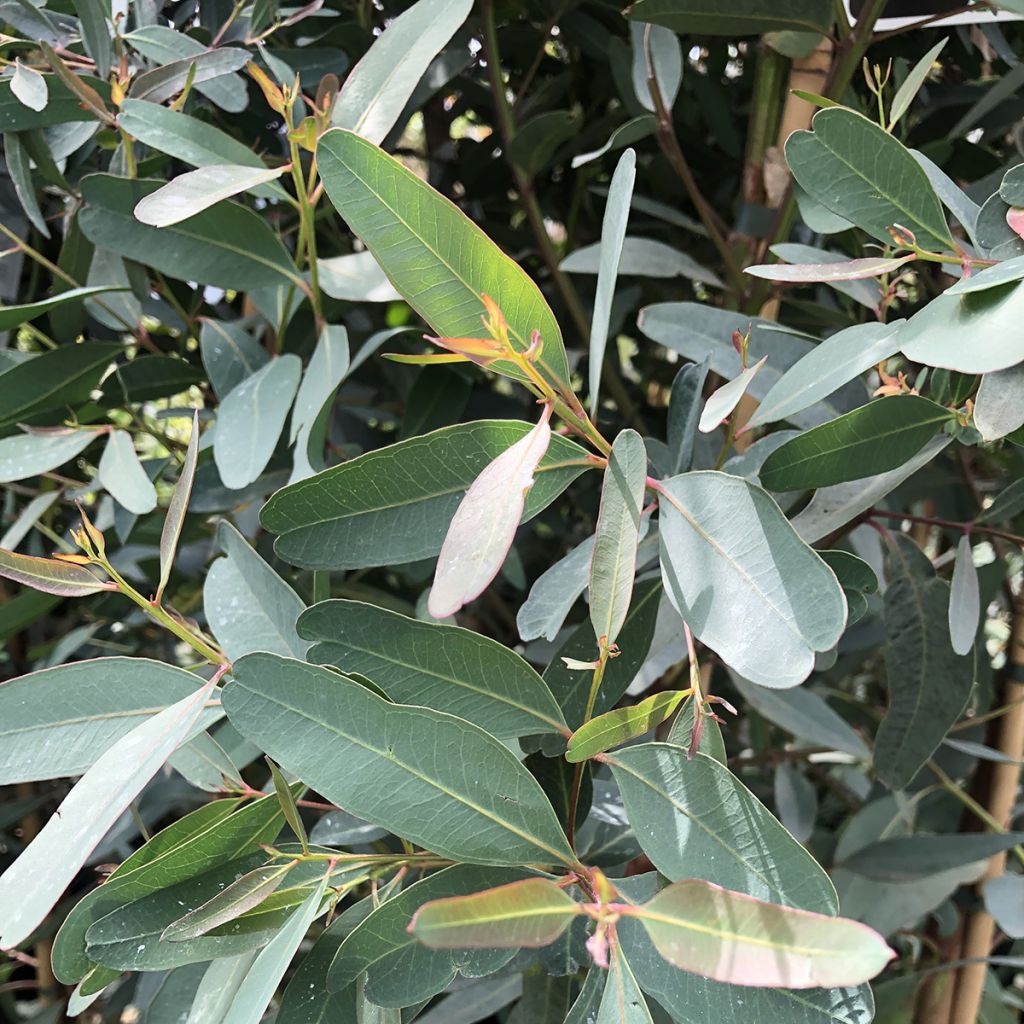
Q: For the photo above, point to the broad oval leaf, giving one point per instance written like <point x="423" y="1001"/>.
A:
<point x="621" y="725"/>
<point x="121" y="474"/>
<point x="251" y="418"/>
<point x="35" y="881"/>
<point x="192" y="192"/>
<point x="613" y="564"/>
<point x="761" y="598"/>
<point x="530" y="913"/>
<point x="30" y="454"/>
<point x="735" y="938"/>
<point x="876" y="438"/>
<point x="409" y="227"/>
<point x="379" y="86"/>
<point x="485" y="523"/>
<point x="859" y="171"/>
<point x="446" y="668"/>
<point x="703" y="822"/>
<point x="52" y="576"/>
<point x="964" y="599"/>
<point x="394" y="504"/>
<point x="391" y="764"/>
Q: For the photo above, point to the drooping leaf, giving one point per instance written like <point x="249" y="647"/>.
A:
<point x="251" y="418"/>
<point x="485" y="523"/>
<point x="859" y="171"/>
<point x="175" y="518"/>
<point x="616" y="727"/>
<point x="51" y="576"/>
<point x="408" y="226"/>
<point x="58" y="721"/>
<point x="249" y="606"/>
<point x="999" y="404"/>
<point x="613" y="233"/>
<point x="228" y="245"/>
<point x="122" y="475"/>
<point x="742" y="17"/>
<point x="828" y="366"/>
<point x="705" y="823"/>
<point x="721" y="402"/>
<point x="195" y="191"/>
<point x="481" y="807"/>
<point x="929" y="683"/>
<point x="876" y="438"/>
<point x="735" y="938"/>
<point x="446" y="668"/>
<point x="531" y="913"/>
<point x="378" y="87"/>
<point x="964" y="599"/>
<point x="613" y="564"/>
<point x="763" y="599"/>
<point x="337" y="519"/>
<point x="34" y="882"/>
<point x="26" y="455"/>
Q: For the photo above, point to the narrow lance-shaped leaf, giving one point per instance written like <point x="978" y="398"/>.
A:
<point x="849" y="270"/>
<point x="29" y="86"/>
<point x="243" y="895"/>
<point x="485" y="524"/>
<point x="34" y="882"/>
<point x="175" y="518"/>
<point x="621" y="725"/>
<point x="613" y="564"/>
<point x="613" y="232"/>
<point x="737" y="939"/>
<point x="874" y="439"/>
<point x="721" y="403"/>
<point x="964" y="599"/>
<point x="65" y="579"/>
<point x="192" y="192"/>
<point x="531" y="913"/>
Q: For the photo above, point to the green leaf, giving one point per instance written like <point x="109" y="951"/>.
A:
<point x="622" y="1002"/>
<point x="339" y="520"/>
<point x="964" y="599"/>
<point x="929" y="684"/>
<point x="999" y="404"/>
<point x="485" y="523"/>
<point x="702" y="822"/>
<point x="619" y="726"/>
<point x="246" y="893"/>
<point x="876" y="438"/>
<point x="859" y="171"/>
<point x="35" y="881"/>
<point x="176" y="509"/>
<point x="230" y="354"/>
<point x="386" y="763"/>
<point x="399" y="970"/>
<point x="193" y="845"/>
<point x="408" y="227"/>
<point x="839" y="359"/>
<point x="29" y="87"/>
<point x="251" y="418"/>
<point x="613" y="233"/>
<point x="27" y="455"/>
<point x="734" y="938"/>
<point x="697" y="332"/>
<point x="530" y="913"/>
<point x="446" y="668"/>
<point x="54" y="380"/>
<point x="912" y="83"/>
<point x="255" y="993"/>
<point x="249" y="606"/>
<point x="379" y="86"/>
<point x="906" y="858"/>
<point x="195" y="191"/>
<point x="934" y="335"/>
<point x="57" y="722"/>
<point x="613" y="565"/>
<point x="51" y="576"/>
<point x="764" y="600"/>
<point x="227" y="245"/>
<point x="123" y="477"/>
<point x="741" y="18"/>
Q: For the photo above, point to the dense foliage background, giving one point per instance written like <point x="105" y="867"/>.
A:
<point x="896" y="763"/>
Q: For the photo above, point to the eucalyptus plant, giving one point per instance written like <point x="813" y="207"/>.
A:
<point x="567" y="629"/>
